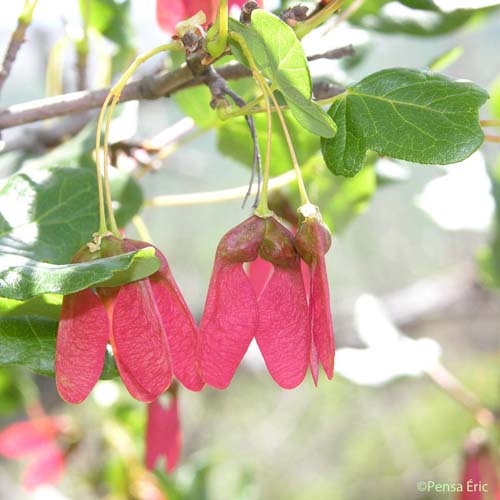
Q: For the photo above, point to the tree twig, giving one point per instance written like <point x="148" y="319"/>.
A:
<point x="148" y="87"/>
<point x="16" y="40"/>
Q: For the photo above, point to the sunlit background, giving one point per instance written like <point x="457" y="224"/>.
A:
<point x="405" y="300"/>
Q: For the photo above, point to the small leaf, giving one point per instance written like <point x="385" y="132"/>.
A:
<point x="30" y="341"/>
<point x="22" y="278"/>
<point x="280" y="57"/>
<point x="411" y="115"/>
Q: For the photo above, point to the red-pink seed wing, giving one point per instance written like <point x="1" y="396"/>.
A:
<point x="82" y="337"/>
<point x="46" y="467"/>
<point x="181" y="330"/>
<point x="139" y="342"/>
<point x="22" y="438"/>
<point x="163" y="434"/>
<point x="228" y="323"/>
<point x="283" y="334"/>
<point x="321" y="316"/>
<point x="259" y="272"/>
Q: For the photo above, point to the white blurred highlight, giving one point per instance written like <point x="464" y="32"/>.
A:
<point x="389" y="353"/>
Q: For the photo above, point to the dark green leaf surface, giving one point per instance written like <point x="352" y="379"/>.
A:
<point x="280" y="57"/>
<point x="49" y="209"/>
<point x="411" y="115"/>
<point x="47" y="214"/>
<point x="30" y="341"/>
<point x="22" y="278"/>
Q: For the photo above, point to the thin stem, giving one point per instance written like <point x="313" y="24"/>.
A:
<point x="262" y="207"/>
<point x="107" y="189"/>
<point x="345" y="15"/>
<point x="303" y="28"/>
<point x="492" y="138"/>
<point x="209" y="197"/>
<point x="454" y="388"/>
<point x="17" y="39"/>
<point x="266" y="90"/>
<point x="284" y="107"/>
<point x="244" y="110"/>
<point x="115" y="94"/>
<point x="300" y="181"/>
<point x="489" y="123"/>
<point x="103" y="228"/>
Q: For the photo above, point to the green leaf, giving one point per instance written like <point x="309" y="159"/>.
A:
<point x="195" y="102"/>
<point x="49" y="208"/>
<point x="48" y="214"/>
<point x="280" y="57"/>
<point x="111" y="18"/>
<point x="22" y="278"/>
<point x="30" y="341"/>
<point x="411" y="115"/>
<point x="233" y="139"/>
<point x="46" y="306"/>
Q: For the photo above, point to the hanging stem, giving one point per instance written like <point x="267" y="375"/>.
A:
<point x="262" y="207"/>
<point x="103" y="228"/>
<point x="269" y="92"/>
<point x="107" y="188"/>
<point x="114" y="97"/>
<point x="300" y="181"/>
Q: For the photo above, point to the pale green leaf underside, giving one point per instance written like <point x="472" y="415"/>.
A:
<point x="407" y="114"/>
<point x="280" y="57"/>
<point x="22" y="278"/>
